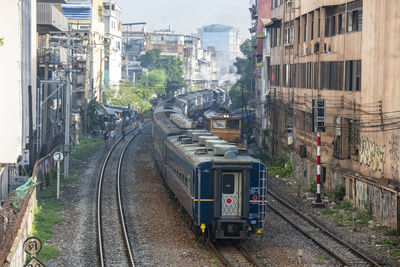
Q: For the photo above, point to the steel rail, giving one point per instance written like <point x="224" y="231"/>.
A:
<point x="121" y="212"/>
<point x="98" y="211"/>
<point x="238" y="247"/>
<point x="322" y="230"/>
<point x="221" y="257"/>
<point x="246" y="254"/>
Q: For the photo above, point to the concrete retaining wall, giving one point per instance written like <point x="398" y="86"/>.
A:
<point x="17" y="256"/>
<point x="365" y="193"/>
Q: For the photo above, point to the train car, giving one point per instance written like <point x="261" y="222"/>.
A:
<point x="221" y="123"/>
<point x="223" y="190"/>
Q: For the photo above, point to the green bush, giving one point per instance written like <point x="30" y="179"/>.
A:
<point x="280" y="166"/>
<point x="338" y="193"/>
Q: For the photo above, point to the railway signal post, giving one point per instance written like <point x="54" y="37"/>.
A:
<point x="318" y="113"/>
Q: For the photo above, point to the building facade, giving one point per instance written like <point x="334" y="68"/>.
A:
<point x="133" y="45"/>
<point x="224" y="39"/>
<point x="343" y="55"/>
<point x="18" y="93"/>
<point x="87" y="15"/>
<point x="260" y="11"/>
<point x="113" y="44"/>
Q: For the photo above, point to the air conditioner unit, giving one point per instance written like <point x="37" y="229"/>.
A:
<point x="303" y="151"/>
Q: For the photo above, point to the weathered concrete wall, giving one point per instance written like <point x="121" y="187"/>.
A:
<point x="362" y="192"/>
<point x="16" y="257"/>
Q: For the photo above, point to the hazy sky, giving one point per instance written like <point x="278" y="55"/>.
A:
<point x="185" y="16"/>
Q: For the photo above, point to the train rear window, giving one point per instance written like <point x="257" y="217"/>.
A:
<point x="228" y="184"/>
<point x="233" y="124"/>
<point x="219" y="124"/>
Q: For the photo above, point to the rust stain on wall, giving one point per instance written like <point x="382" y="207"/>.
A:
<point x="372" y="155"/>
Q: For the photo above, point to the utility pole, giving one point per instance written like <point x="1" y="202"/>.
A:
<point x="67" y="109"/>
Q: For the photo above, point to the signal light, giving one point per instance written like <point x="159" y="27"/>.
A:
<point x="255" y="197"/>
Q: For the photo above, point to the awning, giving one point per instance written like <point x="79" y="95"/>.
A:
<point x="269" y="21"/>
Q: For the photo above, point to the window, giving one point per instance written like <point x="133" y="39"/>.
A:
<point x="288" y="32"/>
<point x="331" y="75"/>
<point x="233" y="124"/>
<point x="219" y="124"/>
<point x="228" y="184"/>
<point x="276" y="3"/>
<point x="274" y="75"/>
<point x="305" y="30"/>
<point x="278" y="36"/>
<point x="312" y="26"/>
<point x="353" y="75"/>
<point x="330" y="26"/>
<point x="354" y="20"/>
<point x="298" y="30"/>
<point x="341" y="23"/>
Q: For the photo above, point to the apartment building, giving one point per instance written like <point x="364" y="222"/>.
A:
<point x="113" y="44"/>
<point x="133" y="44"/>
<point x="226" y="41"/>
<point x="87" y="15"/>
<point x="18" y="91"/>
<point x="343" y="55"/>
<point x="200" y="66"/>
<point x="260" y="11"/>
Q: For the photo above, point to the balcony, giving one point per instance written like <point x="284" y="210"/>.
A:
<point x="50" y="19"/>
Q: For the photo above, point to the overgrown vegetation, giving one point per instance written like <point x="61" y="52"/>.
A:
<point x="47" y="210"/>
<point x="393" y="244"/>
<point x="280" y="165"/>
<point x="343" y="215"/>
<point x="163" y="79"/>
<point x="337" y="194"/>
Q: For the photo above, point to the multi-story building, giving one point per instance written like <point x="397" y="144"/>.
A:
<point x="343" y="54"/>
<point x="87" y="15"/>
<point x="113" y="44"/>
<point x="260" y="11"/>
<point x="199" y="65"/>
<point x="133" y="44"/>
<point x="18" y="93"/>
<point x="226" y="40"/>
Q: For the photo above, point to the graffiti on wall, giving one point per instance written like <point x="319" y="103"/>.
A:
<point x="372" y="155"/>
<point x="394" y="152"/>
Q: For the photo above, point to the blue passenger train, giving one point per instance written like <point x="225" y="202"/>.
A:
<point x="221" y="188"/>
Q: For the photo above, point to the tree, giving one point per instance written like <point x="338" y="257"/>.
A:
<point x="174" y="71"/>
<point x="155" y="79"/>
<point x="243" y="66"/>
<point x="151" y="59"/>
<point x="109" y="94"/>
<point x="171" y="66"/>
<point x="135" y="95"/>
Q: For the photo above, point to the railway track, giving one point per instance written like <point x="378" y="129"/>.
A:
<point x="338" y="249"/>
<point x="231" y="253"/>
<point x="112" y="236"/>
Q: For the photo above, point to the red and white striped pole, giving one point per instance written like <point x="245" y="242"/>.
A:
<point x="318" y="167"/>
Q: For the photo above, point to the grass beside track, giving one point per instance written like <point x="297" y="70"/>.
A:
<point x="47" y="209"/>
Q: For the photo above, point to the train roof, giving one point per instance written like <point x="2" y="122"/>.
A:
<point x="188" y="151"/>
<point x="161" y="117"/>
